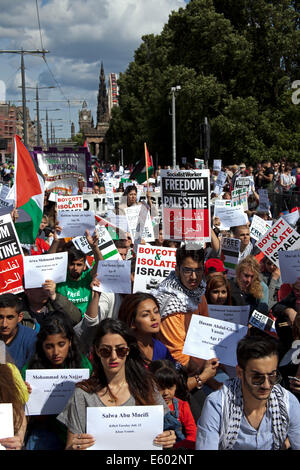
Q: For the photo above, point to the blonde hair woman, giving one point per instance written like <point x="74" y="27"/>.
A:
<point x="248" y="288"/>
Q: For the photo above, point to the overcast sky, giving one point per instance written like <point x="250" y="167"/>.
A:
<point x="79" y="35"/>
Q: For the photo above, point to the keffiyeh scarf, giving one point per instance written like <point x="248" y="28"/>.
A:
<point x="173" y="297"/>
<point x="232" y="412"/>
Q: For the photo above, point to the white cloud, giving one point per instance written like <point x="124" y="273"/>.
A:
<point x="79" y="35"/>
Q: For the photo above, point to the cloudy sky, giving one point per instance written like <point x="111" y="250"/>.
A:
<point x="79" y="34"/>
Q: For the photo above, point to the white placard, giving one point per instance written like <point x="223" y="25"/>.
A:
<point x="125" y="427"/>
<point x="232" y="313"/>
<point x="289" y="263"/>
<point x="153" y="265"/>
<point x="221" y="203"/>
<point x="217" y="165"/>
<point x="280" y="237"/>
<point x="6" y="205"/>
<point x="231" y="216"/>
<point x="39" y="268"/>
<point x="264" y="204"/>
<point x="6" y="420"/>
<point x="133" y="215"/>
<point x="75" y="223"/>
<point x="292" y="217"/>
<point x="69" y="203"/>
<point x="230" y="252"/>
<point x="51" y="389"/>
<point x="114" y="276"/>
<point x="259" y="227"/>
<point x="208" y="338"/>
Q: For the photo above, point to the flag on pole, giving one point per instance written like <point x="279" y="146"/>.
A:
<point x="28" y="193"/>
<point x="139" y="172"/>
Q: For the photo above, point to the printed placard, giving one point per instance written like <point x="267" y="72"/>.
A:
<point x="231" y="216"/>
<point x="74" y="223"/>
<point x="125" y="427"/>
<point x="6" y="205"/>
<point x="114" y="276"/>
<point x="280" y="237"/>
<point x="244" y="182"/>
<point x="6" y="420"/>
<point x="185" y="204"/>
<point x="39" y="268"/>
<point x="208" y="338"/>
<point x="138" y="216"/>
<point x="259" y="227"/>
<point x="51" y="389"/>
<point x="69" y="203"/>
<point x="11" y="257"/>
<point x="239" y="197"/>
<point x="289" y="263"/>
<point x="262" y="322"/>
<point x="230" y="254"/>
<point x="217" y="165"/>
<point x="233" y="313"/>
<point x="153" y="265"/>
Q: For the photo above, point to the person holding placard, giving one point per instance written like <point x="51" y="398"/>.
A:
<point x="77" y="286"/>
<point x="38" y="303"/>
<point x="120" y="378"/>
<point x="251" y="411"/>
<point x="57" y="347"/>
<point x="242" y="232"/>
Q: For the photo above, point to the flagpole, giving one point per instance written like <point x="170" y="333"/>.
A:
<point x="146" y="161"/>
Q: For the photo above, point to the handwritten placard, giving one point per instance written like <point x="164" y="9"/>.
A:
<point x="289" y="263"/>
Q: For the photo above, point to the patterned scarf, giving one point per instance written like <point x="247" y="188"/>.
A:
<point x="232" y="401"/>
<point x="173" y="297"/>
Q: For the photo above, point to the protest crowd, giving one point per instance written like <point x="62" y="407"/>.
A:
<point x="175" y="294"/>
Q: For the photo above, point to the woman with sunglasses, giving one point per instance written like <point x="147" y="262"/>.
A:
<point x="57" y="347"/>
<point x="120" y="378"/>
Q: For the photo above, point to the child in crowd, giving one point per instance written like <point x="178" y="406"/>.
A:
<point x="172" y="385"/>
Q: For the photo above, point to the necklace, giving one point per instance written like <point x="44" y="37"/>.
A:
<point x="111" y="399"/>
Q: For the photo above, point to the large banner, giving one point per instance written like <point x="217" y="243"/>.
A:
<point x="64" y="169"/>
<point x="11" y="258"/>
<point x="185" y="204"/>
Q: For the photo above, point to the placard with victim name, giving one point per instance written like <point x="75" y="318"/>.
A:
<point x="11" y="257"/>
<point x="208" y="338"/>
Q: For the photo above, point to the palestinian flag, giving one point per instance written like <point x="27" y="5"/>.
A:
<point x="139" y="172"/>
<point x="28" y="193"/>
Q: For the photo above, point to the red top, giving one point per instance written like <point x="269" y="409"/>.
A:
<point x="188" y="423"/>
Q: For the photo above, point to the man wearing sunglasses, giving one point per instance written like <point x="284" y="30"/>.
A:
<point x="251" y="411"/>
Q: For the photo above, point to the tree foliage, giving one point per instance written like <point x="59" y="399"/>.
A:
<point x="235" y="61"/>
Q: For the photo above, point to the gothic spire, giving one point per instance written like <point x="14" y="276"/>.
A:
<point x="102" y="108"/>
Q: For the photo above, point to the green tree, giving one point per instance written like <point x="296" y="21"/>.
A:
<point x="235" y="61"/>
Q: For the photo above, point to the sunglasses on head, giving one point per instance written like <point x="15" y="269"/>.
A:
<point x="106" y="351"/>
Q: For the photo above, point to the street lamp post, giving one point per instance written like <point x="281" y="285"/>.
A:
<point x="173" y="91"/>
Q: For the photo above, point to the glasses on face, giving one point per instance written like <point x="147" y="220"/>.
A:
<point x="106" y="351"/>
<point x="190" y="271"/>
<point x="258" y="379"/>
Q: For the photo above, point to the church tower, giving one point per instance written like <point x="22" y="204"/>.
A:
<point x="102" y="108"/>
